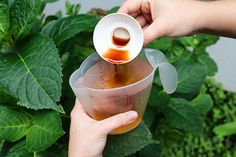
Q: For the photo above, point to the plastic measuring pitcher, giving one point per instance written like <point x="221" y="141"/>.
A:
<point x="105" y="89"/>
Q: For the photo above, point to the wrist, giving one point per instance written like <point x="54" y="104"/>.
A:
<point x="201" y="16"/>
<point x="205" y="17"/>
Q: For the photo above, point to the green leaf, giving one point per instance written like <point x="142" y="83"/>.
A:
<point x="199" y="41"/>
<point x="77" y="8"/>
<point x="68" y="27"/>
<point x="69" y="8"/>
<point x="49" y="1"/>
<point x="171" y="136"/>
<point x="60" y="149"/>
<point x="19" y="150"/>
<point x="225" y="129"/>
<point x="13" y="124"/>
<point x="182" y="115"/>
<point x="5" y="97"/>
<point x="172" y="48"/>
<point x="205" y="41"/>
<point x="158" y="98"/>
<point x="191" y="77"/>
<point x="33" y="74"/>
<point x="202" y="103"/>
<point x="4" y="19"/>
<point x="128" y="143"/>
<point x="161" y="44"/>
<point x="189" y="41"/>
<point x="23" y="14"/>
<point x="113" y="10"/>
<point x="149" y="116"/>
<point x="45" y="131"/>
<point x="209" y="63"/>
<point x="152" y="150"/>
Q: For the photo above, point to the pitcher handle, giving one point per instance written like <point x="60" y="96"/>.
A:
<point x="167" y="72"/>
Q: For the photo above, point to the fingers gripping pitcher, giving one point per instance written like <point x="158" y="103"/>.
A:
<point x="119" y="77"/>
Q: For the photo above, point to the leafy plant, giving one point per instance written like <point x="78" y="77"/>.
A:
<point x="37" y="56"/>
<point x="213" y="142"/>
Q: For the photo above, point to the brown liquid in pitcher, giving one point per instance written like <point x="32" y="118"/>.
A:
<point x="110" y="76"/>
<point x="102" y="116"/>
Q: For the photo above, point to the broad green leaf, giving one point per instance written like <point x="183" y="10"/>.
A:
<point x="202" y="103"/>
<point x="45" y="131"/>
<point x="33" y="74"/>
<point x="205" y="41"/>
<point x="4" y="19"/>
<point x="5" y="97"/>
<point x="158" y="98"/>
<point x="182" y="115"/>
<point x="152" y="150"/>
<point x="23" y="14"/>
<point x="191" y="77"/>
<point x="20" y="150"/>
<point x="172" y="48"/>
<point x="68" y="27"/>
<point x="175" y="52"/>
<point x="13" y="124"/>
<point x="199" y="41"/>
<point x="149" y="116"/>
<point x="225" y="129"/>
<point x="161" y="44"/>
<point x="128" y="143"/>
<point x="209" y="63"/>
<point x="49" y="1"/>
<point x="189" y="41"/>
<point x="170" y="136"/>
<point x="60" y="149"/>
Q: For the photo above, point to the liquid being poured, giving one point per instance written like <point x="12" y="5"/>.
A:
<point x="120" y="39"/>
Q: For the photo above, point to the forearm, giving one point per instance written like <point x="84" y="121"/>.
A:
<point x="217" y="17"/>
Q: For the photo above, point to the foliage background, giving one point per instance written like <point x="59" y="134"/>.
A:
<point x="37" y="56"/>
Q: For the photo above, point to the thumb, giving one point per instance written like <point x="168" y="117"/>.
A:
<point x="153" y="32"/>
<point x="116" y="121"/>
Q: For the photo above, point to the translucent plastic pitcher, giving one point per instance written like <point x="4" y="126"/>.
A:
<point x="105" y="89"/>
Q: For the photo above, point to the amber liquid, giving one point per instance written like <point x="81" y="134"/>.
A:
<point x="120" y="42"/>
<point x="101" y="116"/>
<point x="115" y="76"/>
<point x="116" y="56"/>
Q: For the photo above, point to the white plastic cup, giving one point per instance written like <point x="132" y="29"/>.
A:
<point x="108" y="26"/>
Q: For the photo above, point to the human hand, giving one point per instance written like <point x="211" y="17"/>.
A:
<point x="164" y="18"/>
<point x="88" y="136"/>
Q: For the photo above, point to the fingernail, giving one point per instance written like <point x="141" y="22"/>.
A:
<point x="132" y="116"/>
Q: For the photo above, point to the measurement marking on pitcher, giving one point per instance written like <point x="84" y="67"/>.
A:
<point x="101" y="73"/>
<point x="129" y="102"/>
